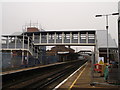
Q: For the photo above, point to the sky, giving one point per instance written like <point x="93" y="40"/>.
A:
<point x="59" y="15"/>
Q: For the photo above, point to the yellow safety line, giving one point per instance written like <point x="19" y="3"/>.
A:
<point x="77" y="79"/>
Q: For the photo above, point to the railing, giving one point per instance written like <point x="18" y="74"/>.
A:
<point x="78" y="37"/>
<point x="13" y="46"/>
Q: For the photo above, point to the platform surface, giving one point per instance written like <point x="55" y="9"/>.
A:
<point x="29" y="68"/>
<point x="83" y="79"/>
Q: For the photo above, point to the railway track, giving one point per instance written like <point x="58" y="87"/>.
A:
<point x="47" y="77"/>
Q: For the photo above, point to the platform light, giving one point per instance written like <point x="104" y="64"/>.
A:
<point x="107" y="15"/>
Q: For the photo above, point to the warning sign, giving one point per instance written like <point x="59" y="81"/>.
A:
<point x="101" y="60"/>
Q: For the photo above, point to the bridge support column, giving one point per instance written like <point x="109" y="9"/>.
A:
<point x="86" y="37"/>
<point x="15" y="41"/>
<point x="70" y="37"/>
<point x="40" y="38"/>
<point x="62" y="37"/>
<point x="7" y="42"/>
<point x="47" y="37"/>
<point x="55" y="38"/>
<point x="78" y="37"/>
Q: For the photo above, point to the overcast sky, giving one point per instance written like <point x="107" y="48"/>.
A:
<point x="58" y="15"/>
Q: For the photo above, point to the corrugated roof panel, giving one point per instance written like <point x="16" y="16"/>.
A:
<point x="102" y="39"/>
<point x="17" y="33"/>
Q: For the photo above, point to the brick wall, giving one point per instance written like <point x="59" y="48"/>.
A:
<point x="56" y="49"/>
<point x="32" y="29"/>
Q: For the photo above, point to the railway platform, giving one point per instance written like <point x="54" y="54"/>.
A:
<point x="29" y="68"/>
<point x="83" y="79"/>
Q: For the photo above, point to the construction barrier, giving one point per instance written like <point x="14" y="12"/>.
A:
<point x="99" y="68"/>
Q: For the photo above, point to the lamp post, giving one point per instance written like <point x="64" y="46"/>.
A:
<point x="23" y="47"/>
<point x="107" y="15"/>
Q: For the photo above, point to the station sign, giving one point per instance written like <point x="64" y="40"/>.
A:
<point x="101" y="60"/>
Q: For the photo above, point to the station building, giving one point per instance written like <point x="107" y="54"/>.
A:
<point x="101" y="46"/>
<point x="29" y="47"/>
<point x="62" y="52"/>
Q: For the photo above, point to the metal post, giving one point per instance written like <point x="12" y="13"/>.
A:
<point x="41" y="56"/>
<point x="62" y="37"/>
<point x="47" y="37"/>
<point x="40" y="38"/>
<point x="107" y="30"/>
<point x="10" y="39"/>
<point x="55" y="38"/>
<point x="78" y="37"/>
<point x="119" y="50"/>
<point x="108" y="60"/>
<point x="23" y="50"/>
<point x="33" y="37"/>
<point x="70" y="37"/>
<point x="107" y="39"/>
<point x="28" y="43"/>
<point x="8" y="42"/>
<point x="37" y="53"/>
<point x="27" y="56"/>
<point x="15" y="41"/>
<point x="23" y="41"/>
<point x="92" y="67"/>
<point x="22" y="57"/>
<point x="86" y="37"/>
<point x="11" y="57"/>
